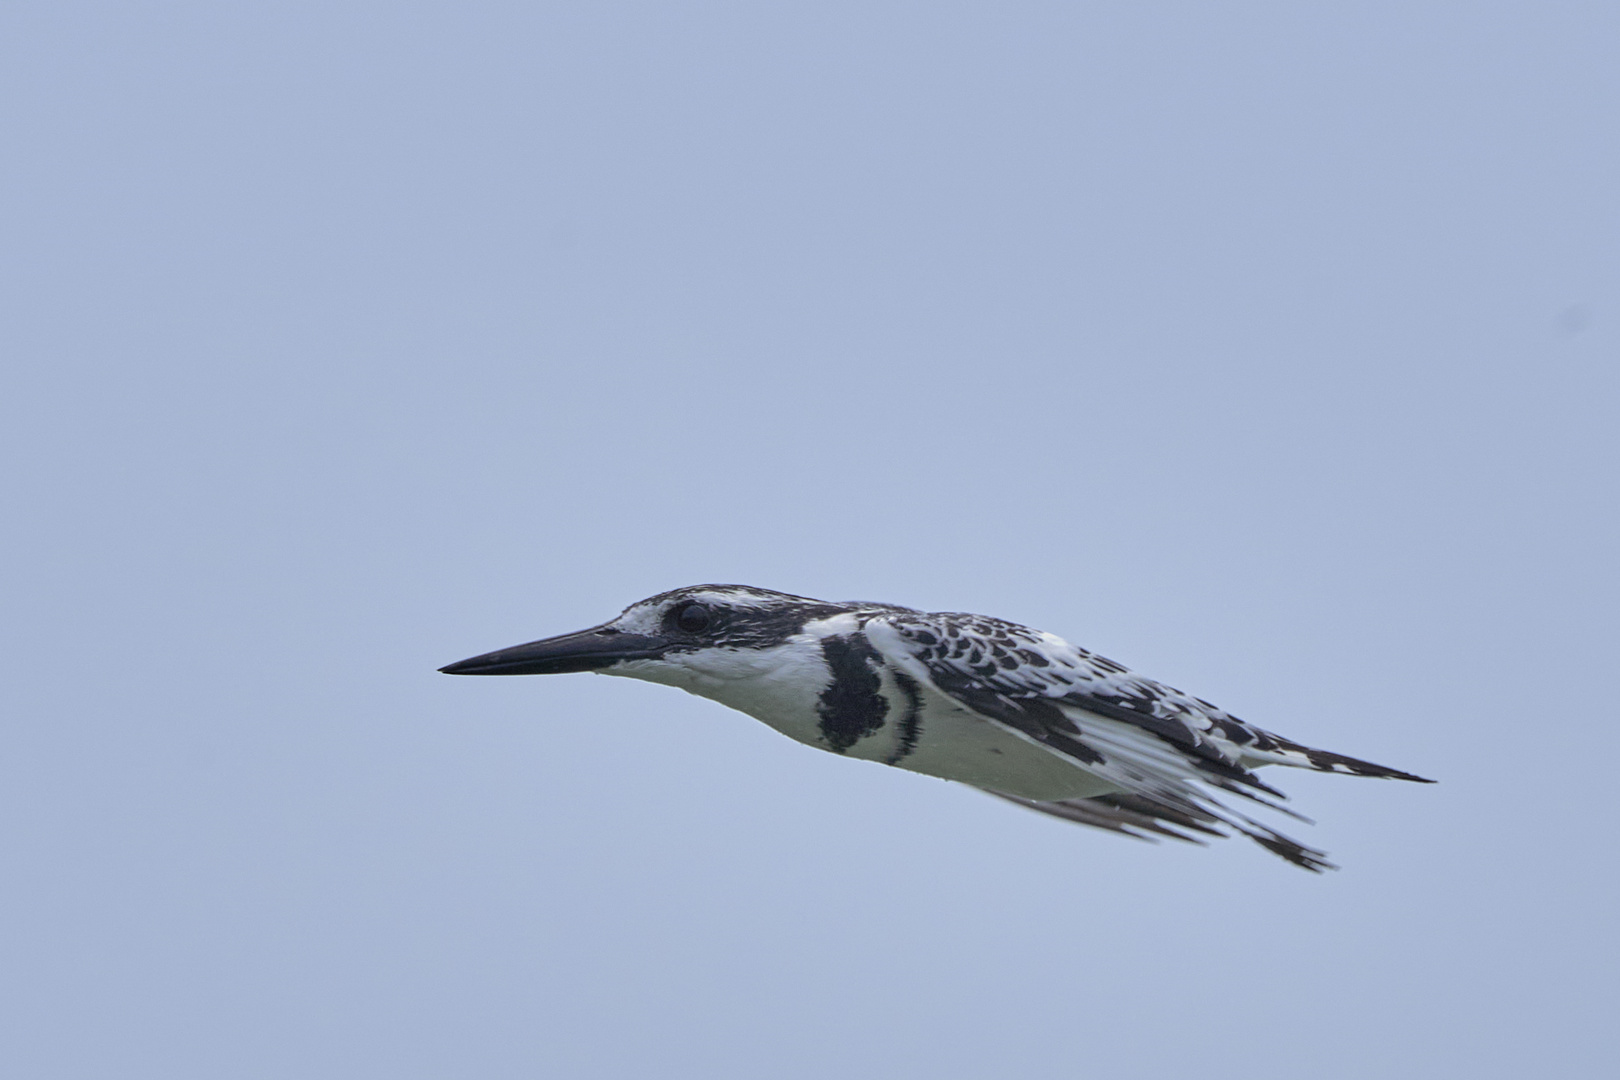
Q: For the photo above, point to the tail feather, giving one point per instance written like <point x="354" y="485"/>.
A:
<point x="1306" y="757"/>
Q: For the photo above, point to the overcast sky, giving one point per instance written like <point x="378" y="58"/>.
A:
<point x="1268" y="348"/>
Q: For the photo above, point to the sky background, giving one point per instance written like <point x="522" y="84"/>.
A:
<point x="1269" y="348"/>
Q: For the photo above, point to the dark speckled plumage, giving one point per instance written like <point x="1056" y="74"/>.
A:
<point x="1014" y="711"/>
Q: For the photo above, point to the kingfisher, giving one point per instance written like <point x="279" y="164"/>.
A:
<point x="1016" y="712"/>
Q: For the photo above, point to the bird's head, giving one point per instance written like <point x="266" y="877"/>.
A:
<point x="713" y="631"/>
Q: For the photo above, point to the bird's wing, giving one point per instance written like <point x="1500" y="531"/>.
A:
<point x="1156" y="744"/>
<point x="1129" y="815"/>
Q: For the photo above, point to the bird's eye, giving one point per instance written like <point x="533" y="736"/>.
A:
<point x="694" y="618"/>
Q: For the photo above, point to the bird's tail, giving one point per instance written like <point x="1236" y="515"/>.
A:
<point x="1284" y="752"/>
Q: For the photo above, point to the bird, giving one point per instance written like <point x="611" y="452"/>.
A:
<point x="1016" y="712"/>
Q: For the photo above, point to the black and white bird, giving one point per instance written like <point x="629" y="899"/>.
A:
<point x="1013" y="711"/>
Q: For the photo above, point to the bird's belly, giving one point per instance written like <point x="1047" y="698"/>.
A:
<point x="956" y="744"/>
<point x="936" y="738"/>
<point x="952" y="744"/>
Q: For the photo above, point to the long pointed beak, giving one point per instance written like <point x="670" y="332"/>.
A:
<point x="588" y="650"/>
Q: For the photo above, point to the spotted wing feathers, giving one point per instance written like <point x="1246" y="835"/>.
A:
<point x="1161" y="748"/>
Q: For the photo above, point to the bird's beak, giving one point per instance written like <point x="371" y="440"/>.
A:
<point x="588" y="650"/>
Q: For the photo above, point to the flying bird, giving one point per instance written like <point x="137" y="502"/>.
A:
<point x="1016" y="712"/>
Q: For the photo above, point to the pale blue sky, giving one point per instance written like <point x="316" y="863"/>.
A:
<point x="1269" y="348"/>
